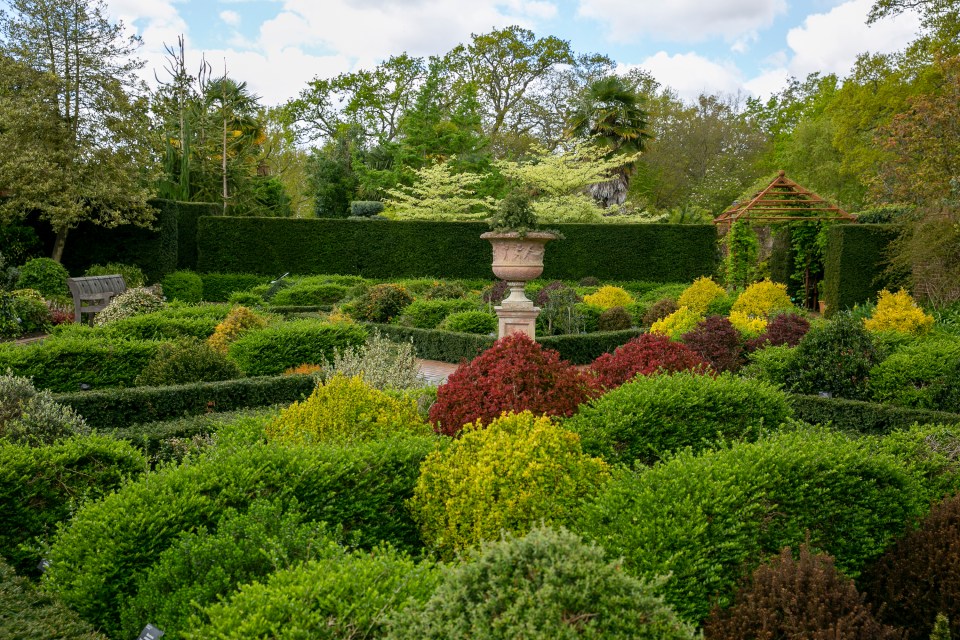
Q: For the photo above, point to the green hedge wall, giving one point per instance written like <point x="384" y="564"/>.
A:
<point x="153" y="250"/>
<point x="188" y="213"/>
<point x="863" y="417"/>
<point x="853" y="264"/>
<point x="120" y="408"/>
<point x="391" y="249"/>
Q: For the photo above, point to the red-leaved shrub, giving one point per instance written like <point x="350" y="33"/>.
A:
<point x="717" y="341"/>
<point x="515" y="374"/>
<point x="919" y="577"/>
<point x="645" y="354"/>
<point x="803" y="599"/>
<point x="785" y="329"/>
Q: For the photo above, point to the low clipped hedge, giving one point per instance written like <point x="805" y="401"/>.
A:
<point x="217" y="287"/>
<point x="361" y="489"/>
<point x="169" y="324"/>
<point x="39" y="486"/>
<point x="31" y="613"/>
<point x="112" y="409"/>
<point x="447" y="346"/>
<point x="584" y="348"/>
<point x="305" y="294"/>
<point x="547" y="584"/>
<point x="652" y="416"/>
<point x="863" y="417"/>
<point x="272" y="350"/>
<point x="432" y="344"/>
<point x="63" y="364"/>
<point x="705" y="519"/>
<point x="153" y="438"/>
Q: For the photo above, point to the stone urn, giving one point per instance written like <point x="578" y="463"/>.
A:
<point x="517" y="259"/>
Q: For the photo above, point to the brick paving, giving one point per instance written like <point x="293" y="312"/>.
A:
<point x="435" y="372"/>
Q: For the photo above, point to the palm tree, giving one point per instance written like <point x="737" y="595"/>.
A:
<point x="234" y="109"/>
<point x="610" y="112"/>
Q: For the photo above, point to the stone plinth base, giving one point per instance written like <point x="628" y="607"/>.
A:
<point x="517" y="317"/>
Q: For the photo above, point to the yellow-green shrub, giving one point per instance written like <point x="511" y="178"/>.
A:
<point x="898" y="312"/>
<point x="345" y="410"/>
<point x="749" y="326"/>
<point x="609" y="296"/>
<point x="677" y="323"/>
<point x="762" y="299"/>
<point x="517" y="472"/>
<point x="238" y="321"/>
<point x="701" y="294"/>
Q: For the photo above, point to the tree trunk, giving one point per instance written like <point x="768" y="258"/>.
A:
<point x="59" y="243"/>
<point x="224" y="168"/>
<point x="610" y="192"/>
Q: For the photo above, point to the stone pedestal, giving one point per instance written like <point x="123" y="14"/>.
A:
<point x="516" y="313"/>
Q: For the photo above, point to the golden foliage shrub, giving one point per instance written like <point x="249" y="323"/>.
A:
<point x="900" y="313"/>
<point x="512" y="475"/>
<point x="609" y="296"/>
<point x="677" y="323"/>
<point x="699" y="295"/>
<point x="238" y="321"/>
<point x="344" y="411"/>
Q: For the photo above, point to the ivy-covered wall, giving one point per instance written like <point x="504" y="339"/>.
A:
<point x="386" y="249"/>
<point x="854" y="264"/>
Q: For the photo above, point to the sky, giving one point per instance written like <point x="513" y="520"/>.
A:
<point x="693" y="46"/>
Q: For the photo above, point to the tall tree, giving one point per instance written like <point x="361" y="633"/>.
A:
<point x="702" y="155"/>
<point x="505" y="66"/>
<point x="232" y="109"/>
<point x="103" y="164"/>
<point x="610" y="112"/>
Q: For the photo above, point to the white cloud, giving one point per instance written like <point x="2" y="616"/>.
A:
<point x="690" y="74"/>
<point x="275" y="76"/>
<point x="682" y="20"/>
<point x="371" y="30"/>
<point x="830" y="43"/>
<point x="231" y="18"/>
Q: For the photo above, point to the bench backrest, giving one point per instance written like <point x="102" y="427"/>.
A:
<point x="92" y="293"/>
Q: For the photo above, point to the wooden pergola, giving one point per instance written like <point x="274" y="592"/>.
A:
<point x="783" y="200"/>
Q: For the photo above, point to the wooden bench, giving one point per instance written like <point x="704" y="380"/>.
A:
<point x="92" y="293"/>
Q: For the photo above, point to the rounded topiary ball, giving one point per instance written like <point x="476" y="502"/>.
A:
<point x="547" y="584"/>
<point x="45" y="275"/>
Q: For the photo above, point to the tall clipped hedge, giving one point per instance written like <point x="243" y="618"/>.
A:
<point x="153" y="250"/>
<point x="188" y="214"/>
<point x="853" y="265"/>
<point x="388" y="249"/>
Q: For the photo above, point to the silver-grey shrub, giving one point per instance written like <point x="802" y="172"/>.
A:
<point x="382" y="363"/>
<point x="28" y="416"/>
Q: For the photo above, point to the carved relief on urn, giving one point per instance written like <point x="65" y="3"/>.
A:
<point x="518" y="259"/>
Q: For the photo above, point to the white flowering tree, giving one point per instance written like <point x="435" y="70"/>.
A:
<point x="439" y="193"/>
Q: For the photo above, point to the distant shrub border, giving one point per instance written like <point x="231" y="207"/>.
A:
<point x="447" y="346"/>
<point x="120" y="408"/>
<point x="863" y="417"/>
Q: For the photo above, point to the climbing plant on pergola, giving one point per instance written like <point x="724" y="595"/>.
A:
<point x="783" y="202"/>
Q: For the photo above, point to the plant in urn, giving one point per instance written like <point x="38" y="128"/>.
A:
<point x="517" y="258"/>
